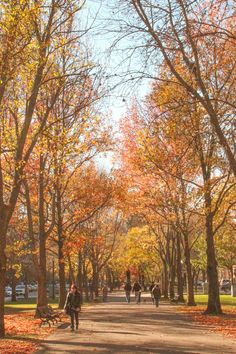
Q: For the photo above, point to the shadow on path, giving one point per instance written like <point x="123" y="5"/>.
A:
<point x="119" y="348"/>
<point x="117" y="327"/>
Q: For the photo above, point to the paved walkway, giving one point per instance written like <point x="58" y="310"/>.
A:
<point x="117" y="327"/>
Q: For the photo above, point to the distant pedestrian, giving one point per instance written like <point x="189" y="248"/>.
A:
<point x="137" y="289"/>
<point x="150" y="289"/>
<point x="128" y="276"/>
<point x="104" y="293"/>
<point x="90" y="287"/>
<point x="156" y="294"/>
<point x="73" y="306"/>
<point x="127" y="289"/>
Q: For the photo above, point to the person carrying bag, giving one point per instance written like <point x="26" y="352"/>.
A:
<point x="73" y="306"/>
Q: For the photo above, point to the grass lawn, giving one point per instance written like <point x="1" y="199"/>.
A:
<point x="226" y="300"/>
<point x="25" y="305"/>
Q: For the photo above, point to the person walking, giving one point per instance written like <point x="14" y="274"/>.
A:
<point x="104" y="293"/>
<point x="137" y="289"/>
<point x="73" y="306"/>
<point x="156" y="294"/>
<point x="150" y="289"/>
<point x="127" y="289"/>
<point x="128" y="275"/>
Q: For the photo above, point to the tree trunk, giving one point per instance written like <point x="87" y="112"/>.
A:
<point x="71" y="272"/>
<point x="4" y="220"/>
<point x="165" y="281"/>
<point x="95" y="284"/>
<point x="172" y="282"/>
<point x="190" y="283"/>
<point x="2" y="293"/>
<point x="214" y="305"/>
<point x="42" y="276"/>
<point x="231" y="271"/>
<point x="42" y="299"/>
<point x="61" y="260"/>
<point x="79" y="273"/>
<point x="180" y="284"/>
<point x="222" y="139"/>
<point x="85" y="280"/>
<point x="196" y="277"/>
<point x="62" y="276"/>
<point x="171" y="252"/>
<point x="108" y="277"/>
<point x="112" y="281"/>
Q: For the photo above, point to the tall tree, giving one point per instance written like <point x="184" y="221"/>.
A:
<point x="38" y="33"/>
<point x="198" y="35"/>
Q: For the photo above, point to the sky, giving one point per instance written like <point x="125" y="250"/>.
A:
<point x="100" y="39"/>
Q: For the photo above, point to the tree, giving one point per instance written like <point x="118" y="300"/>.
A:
<point x="37" y="35"/>
<point x="196" y="35"/>
<point x="91" y="225"/>
<point x="174" y="160"/>
<point x="160" y="178"/>
<point x="199" y="138"/>
<point x="226" y="249"/>
<point x="86" y="193"/>
<point x="17" y="251"/>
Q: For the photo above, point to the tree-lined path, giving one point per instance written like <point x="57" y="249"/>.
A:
<point x="116" y="327"/>
<point x="117" y="168"/>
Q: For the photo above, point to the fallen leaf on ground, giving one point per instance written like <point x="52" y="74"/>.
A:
<point x="23" y="334"/>
<point x="225" y="324"/>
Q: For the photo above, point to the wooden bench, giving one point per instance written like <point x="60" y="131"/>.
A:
<point x="46" y="315"/>
<point x="57" y="314"/>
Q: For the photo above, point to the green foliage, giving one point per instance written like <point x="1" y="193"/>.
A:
<point x="199" y="258"/>
<point x="226" y="248"/>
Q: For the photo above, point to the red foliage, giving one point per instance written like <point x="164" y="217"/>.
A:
<point x="8" y="346"/>
<point x="23" y="334"/>
<point x="225" y="324"/>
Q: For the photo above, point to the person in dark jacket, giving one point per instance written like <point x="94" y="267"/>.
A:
<point x="73" y="306"/>
<point x="156" y="294"/>
<point x="137" y="289"/>
<point x="150" y="289"/>
<point x="127" y="289"/>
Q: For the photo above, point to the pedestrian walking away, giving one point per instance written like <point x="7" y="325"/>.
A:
<point x="127" y="289"/>
<point x="104" y="293"/>
<point x="73" y="306"/>
<point x="156" y="294"/>
<point x="150" y="289"/>
<point x="137" y="289"/>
